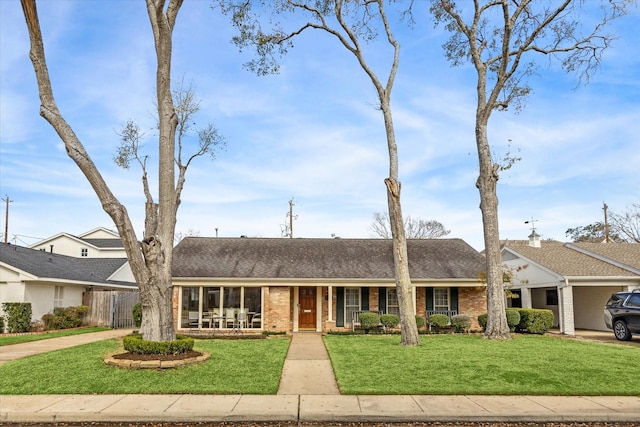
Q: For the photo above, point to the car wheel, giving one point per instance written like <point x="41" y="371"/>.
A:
<point x="621" y="331"/>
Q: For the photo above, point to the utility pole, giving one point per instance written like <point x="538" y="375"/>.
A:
<point x="6" y="220"/>
<point x="606" y="222"/>
<point x="291" y="219"/>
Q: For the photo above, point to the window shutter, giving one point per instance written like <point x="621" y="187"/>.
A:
<point x="429" y="298"/>
<point x="453" y="294"/>
<point x="382" y="299"/>
<point x="340" y="306"/>
<point x="364" y="298"/>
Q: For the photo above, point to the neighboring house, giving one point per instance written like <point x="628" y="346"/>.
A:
<point x="289" y="285"/>
<point x="97" y="243"/>
<point x="574" y="280"/>
<point x="48" y="280"/>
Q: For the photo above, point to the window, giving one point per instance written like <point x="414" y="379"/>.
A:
<point x="441" y="299"/>
<point x="212" y="303"/>
<point x="351" y="303"/>
<point x="634" y="300"/>
<point x="392" y="302"/>
<point x="552" y="297"/>
<point x="84" y="252"/>
<point x="58" y="296"/>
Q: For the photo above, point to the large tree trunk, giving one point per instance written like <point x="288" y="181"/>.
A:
<point x="408" y="327"/>
<point x="151" y="263"/>
<point x="497" y="327"/>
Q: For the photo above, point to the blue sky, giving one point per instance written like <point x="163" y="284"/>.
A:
<point x="310" y="133"/>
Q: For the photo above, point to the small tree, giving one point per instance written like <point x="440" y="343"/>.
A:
<point x="626" y="225"/>
<point x="413" y="228"/>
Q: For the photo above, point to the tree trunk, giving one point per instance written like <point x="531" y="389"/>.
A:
<point x="408" y="326"/>
<point x="497" y="327"/>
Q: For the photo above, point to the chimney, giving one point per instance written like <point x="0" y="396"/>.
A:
<point x="534" y="239"/>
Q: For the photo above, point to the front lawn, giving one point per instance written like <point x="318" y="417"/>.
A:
<point x="469" y="364"/>
<point x="19" y="339"/>
<point x="235" y="367"/>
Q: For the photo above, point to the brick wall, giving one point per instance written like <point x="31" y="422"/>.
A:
<point x="473" y="302"/>
<point x="278" y="309"/>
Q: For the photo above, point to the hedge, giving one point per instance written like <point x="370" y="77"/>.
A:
<point x="439" y="320"/>
<point x="389" y="320"/>
<point x="461" y="323"/>
<point x="136" y="344"/>
<point x="513" y="319"/>
<point x="369" y="321"/>
<point x="18" y="316"/>
<point x="534" y="321"/>
<point x="65" y="318"/>
<point x="137" y="315"/>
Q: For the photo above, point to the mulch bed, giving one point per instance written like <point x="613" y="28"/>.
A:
<point x="161" y="357"/>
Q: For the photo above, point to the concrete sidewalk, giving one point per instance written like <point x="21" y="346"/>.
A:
<point x="308" y="393"/>
<point x="317" y="408"/>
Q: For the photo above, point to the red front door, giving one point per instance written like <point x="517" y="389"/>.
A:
<point x="307" y="314"/>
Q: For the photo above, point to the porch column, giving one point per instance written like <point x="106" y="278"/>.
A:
<point x="330" y="304"/>
<point x="565" y="310"/>
<point x="296" y="307"/>
<point x="525" y="297"/>
<point x="414" y="299"/>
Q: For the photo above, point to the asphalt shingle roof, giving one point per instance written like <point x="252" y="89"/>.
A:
<point x="625" y="253"/>
<point x="55" y="266"/>
<point x="560" y="258"/>
<point x="281" y="258"/>
<point x="105" y="243"/>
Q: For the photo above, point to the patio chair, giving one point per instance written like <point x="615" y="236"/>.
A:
<point x="242" y="319"/>
<point x="230" y="317"/>
<point x="256" y="319"/>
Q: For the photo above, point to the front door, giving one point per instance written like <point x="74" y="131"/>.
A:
<point x="307" y="302"/>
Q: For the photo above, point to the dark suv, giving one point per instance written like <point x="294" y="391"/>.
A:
<point x="622" y="314"/>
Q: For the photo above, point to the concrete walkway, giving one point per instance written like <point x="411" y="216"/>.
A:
<point x="308" y="393"/>
<point x="307" y="369"/>
<point x="16" y="351"/>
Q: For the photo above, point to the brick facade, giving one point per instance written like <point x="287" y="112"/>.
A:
<point x="473" y="302"/>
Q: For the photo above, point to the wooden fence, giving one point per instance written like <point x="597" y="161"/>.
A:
<point x="111" y="308"/>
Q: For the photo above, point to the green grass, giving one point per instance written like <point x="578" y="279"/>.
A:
<point x="18" y="339"/>
<point x="235" y="367"/>
<point x="455" y="364"/>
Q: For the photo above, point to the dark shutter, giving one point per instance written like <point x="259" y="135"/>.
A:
<point x="340" y="306"/>
<point x="429" y="298"/>
<point x="364" y="298"/>
<point x="382" y="299"/>
<point x="453" y="293"/>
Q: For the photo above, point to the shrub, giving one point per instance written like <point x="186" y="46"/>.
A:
<point x="1" y="324"/>
<point x="513" y="319"/>
<point x="482" y="321"/>
<point x="439" y="321"/>
<point x="137" y="315"/>
<point x="65" y="318"/>
<point x="18" y="316"/>
<point x="534" y="321"/>
<point x="369" y="321"/>
<point x="389" y="320"/>
<point x="135" y="344"/>
<point x="420" y="321"/>
<point x="461" y="323"/>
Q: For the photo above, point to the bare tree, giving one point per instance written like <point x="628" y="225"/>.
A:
<point x="501" y="38"/>
<point x="626" y="225"/>
<point x="352" y="23"/>
<point x="413" y="228"/>
<point x="150" y="258"/>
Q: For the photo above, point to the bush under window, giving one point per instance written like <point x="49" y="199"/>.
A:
<point x="389" y="321"/>
<point x="439" y="321"/>
<point x="65" y="317"/>
<point x="461" y="323"/>
<point x="534" y="321"/>
<point x="369" y="321"/>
